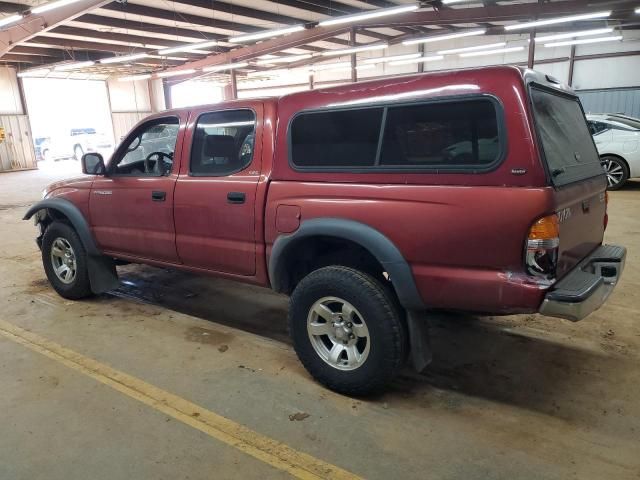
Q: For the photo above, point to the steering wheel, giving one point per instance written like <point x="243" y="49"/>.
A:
<point x="156" y="168"/>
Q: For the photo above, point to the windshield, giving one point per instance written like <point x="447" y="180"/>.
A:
<point x="629" y="122"/>
<point x="565" y="138"/>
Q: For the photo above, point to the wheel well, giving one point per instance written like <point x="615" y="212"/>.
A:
<point x="312" y="253"/>
<point x="53" y="215"/>
<point x="617" y="156"/>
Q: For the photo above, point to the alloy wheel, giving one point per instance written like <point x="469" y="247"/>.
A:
<point x="63" y="259"/>
<point x="614" y="171"/>
<point x="338" y="333"/>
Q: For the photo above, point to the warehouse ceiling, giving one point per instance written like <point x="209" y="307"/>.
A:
<point x="137" y="27"/>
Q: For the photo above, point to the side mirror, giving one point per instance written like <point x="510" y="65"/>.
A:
<point x="93" y="164"/>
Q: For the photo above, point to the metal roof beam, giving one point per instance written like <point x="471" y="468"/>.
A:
<point x="33" y="25"/>
<point x="173" y="16"/>
<point x="148" y="27"/>
<point x="463" y="15"/>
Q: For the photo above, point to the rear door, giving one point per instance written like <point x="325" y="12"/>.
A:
<point x="215" y="196"/>
<point x="574" y="170"/>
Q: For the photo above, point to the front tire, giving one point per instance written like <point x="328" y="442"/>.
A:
<point x="348" y="330"/>
<point x="65" y="261"/>
<point x="617" y="171"/>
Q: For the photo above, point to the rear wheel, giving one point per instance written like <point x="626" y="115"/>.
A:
<point x="347" y="329"/>
<point x="617" y="171"/>
<point x="65" y="261"/>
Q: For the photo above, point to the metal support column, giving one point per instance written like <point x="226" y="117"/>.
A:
<point x="234" y="85"/>
<point x="352" y="42"/>
<point x="572" y="61"/>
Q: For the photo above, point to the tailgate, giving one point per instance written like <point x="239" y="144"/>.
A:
<point x="574" y="169"/>
<point x="581" y="209"/>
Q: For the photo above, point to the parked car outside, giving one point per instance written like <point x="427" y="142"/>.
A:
<point x="75" y="144"/>
<point x="617" y="139"/>
<point x="369" y="204"/>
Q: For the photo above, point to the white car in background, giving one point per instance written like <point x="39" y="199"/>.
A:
<point x="617" y="138"/>
<point x="75" y="144"/>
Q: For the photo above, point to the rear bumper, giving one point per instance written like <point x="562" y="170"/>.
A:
<point x="584" y="289"/>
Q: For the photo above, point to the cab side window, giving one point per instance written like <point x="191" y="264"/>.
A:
<point x="223" y="143"/>
<point x="150" y="150"/>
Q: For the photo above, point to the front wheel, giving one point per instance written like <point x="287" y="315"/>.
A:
<point x="616" y="170"/>
<point x="348" y="330"/>
<point x="65" y="261"/>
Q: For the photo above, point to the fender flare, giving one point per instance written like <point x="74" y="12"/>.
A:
<point x="102" y="271"/>
<point x="367" y="237"/>
<point x="74" y="215"/>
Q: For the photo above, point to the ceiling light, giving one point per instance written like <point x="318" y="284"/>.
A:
<point x="581" y="33"/>
<point x="329" y="66"/>
<point x="553" y="21"/>
<point x="73" y="66"/>
<point x="492" y="52"/>
<point x="583" y="41"/>
<point x="367" y="15"/>
<point x="177" y="73"/>
<point x="135" y="78"/>
<point x="472" y="49"/>
<point x="52" y="5"/>
<point x="9" y="20"/>
<point x="34" y="73"/>
<point x="638" y="10"/>
<point x="288" y="59"/>
<point x="449" y="2"/>
<point x="226" y="66"/>
<point x="391" y="58"/>
<point x="345" y="51"/>
<point x="124" y="58"/>
<point x="439" y="38"/>
<point x="266" y="34"/>
<point x="432" y="58"/>
<point x="190" y="47"/>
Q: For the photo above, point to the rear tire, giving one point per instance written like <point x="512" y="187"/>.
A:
<point x="617" y="171"/>
<point x="348" y="330"/>
<point x="65" y="261"/>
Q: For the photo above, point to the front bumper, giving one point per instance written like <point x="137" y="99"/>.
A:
<point x="584" y="289"/>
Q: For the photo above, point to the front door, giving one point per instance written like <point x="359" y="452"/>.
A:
<point x="131" y="207"/>
<point x="216" y="191"/>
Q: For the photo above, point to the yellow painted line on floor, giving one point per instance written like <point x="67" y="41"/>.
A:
<point x="265" y="449"/>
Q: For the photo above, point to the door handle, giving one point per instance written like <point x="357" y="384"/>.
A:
<point x="236" y="197"/>
<point x="158" y="196"/>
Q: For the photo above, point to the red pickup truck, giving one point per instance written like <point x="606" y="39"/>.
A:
<point x="369" y="204"/>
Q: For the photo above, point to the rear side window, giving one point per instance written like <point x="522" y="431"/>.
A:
<point x="442" y="134"/>
<point x="344" y="138"/>
<point x="449" y="135"/>
<point x="223" y="143"/>
<point x="597" y="127"/>
<point x="565" y="137"/>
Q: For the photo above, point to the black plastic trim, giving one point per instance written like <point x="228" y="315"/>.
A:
<point x="74" y="215"/>
<point x="369" y="238"/>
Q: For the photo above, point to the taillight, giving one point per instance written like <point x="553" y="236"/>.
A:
<point x="542" y="247"/>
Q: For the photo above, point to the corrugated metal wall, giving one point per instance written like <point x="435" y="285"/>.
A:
<point x="16" y="152"/>
<point x="124" y="122"/>
<point x="615" y="100"/>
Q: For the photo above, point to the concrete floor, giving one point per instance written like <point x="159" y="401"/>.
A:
<point x="512" y="397"/>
